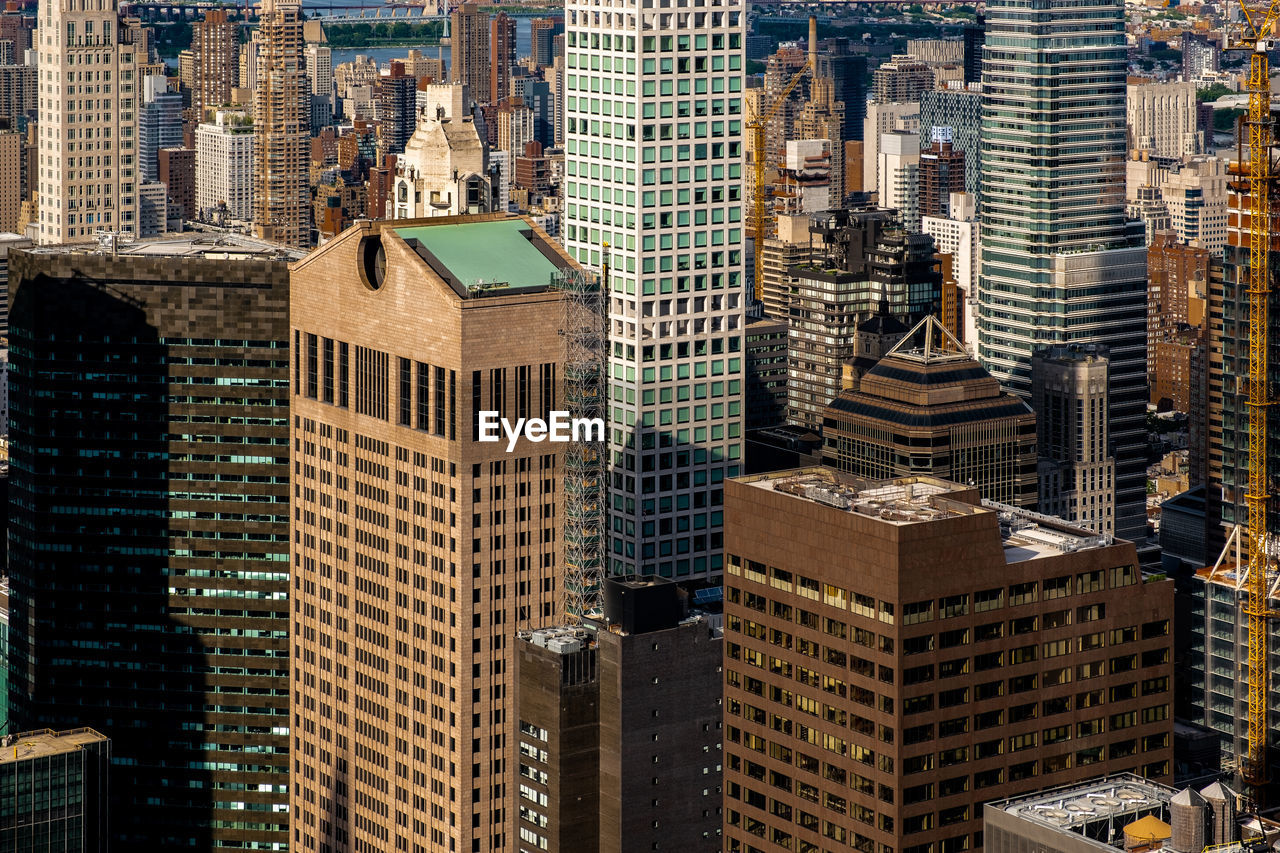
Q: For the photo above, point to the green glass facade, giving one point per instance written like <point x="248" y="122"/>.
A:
<point x="1060" y="264"/>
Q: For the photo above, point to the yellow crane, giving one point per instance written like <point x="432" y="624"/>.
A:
<point x="1256" y="35"/>
<point x="760" y="198"/>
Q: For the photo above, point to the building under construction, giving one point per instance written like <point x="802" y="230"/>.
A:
<point x="1211" y="685"/>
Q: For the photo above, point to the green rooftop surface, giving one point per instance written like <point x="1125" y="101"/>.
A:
<point x="493" y="252"/>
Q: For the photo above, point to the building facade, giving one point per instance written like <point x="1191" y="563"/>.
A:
<point x="929" y="408"/>
<point x="76" y="198"/>
<point x="941" y="174"/>
<point x="670" y="233"/>
<point x="444" y="171"/>
<point x="766" y="394"/>
<point x="868" y="264"/>
<point x="617" y="750"/>
<point x="224" y="165"/>
<point x="469" y="50"/>
<point x="163" y="618"/>
<point x="282" y="122"/>
<point x="159" y="124"/>
<point x="866" y="707"/>
<point x="903" y="79"/>
<point x="421" y="549"/>
<point x="1161" y="118"/>
<point x="502" y="55"/>
<point x="53" y="791"/>
<point x="1069" y="392"/>
<point x="1177" y="292"/>
<point x="1042" y="255"/>
<point x="216" y="48"/>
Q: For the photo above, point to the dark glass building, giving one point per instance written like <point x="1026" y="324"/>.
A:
<point x="53" y="792"/>
<point x="149" y="528"/>
<point x="848" y="72"/>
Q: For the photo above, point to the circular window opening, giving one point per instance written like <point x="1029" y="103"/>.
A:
<point x="373" y="261"/>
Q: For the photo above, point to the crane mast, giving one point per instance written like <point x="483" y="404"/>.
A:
<point x="1256" y="37"/>
<point x="757" y="125"/>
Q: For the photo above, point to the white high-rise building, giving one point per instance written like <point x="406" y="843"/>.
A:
<point x="957" y="236"/>
<point x="654" y="174"/>
<point x="224" y="166"/>
<point x="899" y="172"/>
<point x="90" y="93"/>
<point x="882" y="119"/>
<point x="320" y="69"/>
<point x="1161" y="117"/>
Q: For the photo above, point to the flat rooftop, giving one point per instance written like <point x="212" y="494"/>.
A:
<point x="36" y="744"/>
<point x="1025" y="535"/>
<point x="1028" y="535"/>
<point x="902" y="500"/>
<point x="1076" y="808"/>
<point x="188" y="244"/>
<point x="561" y="639"/>
<point x="491" y="254"/>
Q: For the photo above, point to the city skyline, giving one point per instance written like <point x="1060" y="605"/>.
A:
<point x="305" y="311"/>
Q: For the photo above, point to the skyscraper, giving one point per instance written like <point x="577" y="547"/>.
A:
<point x="216" y="47"/>
<point x="82" y="185"/>
<point x="395" y="104"/>
<point x="1015" y="668"/>
<point x="1060" y="264"/>
<point x="469" y="46"/>
<point x="542" y="35"/>
<point x="150" y="395"/>
<point x="603" y="717"/>
<point x="421" y="549"/>
<point x="224" y="166"/>
<point x="159" y="124"/>
<point x="502" y="55"/>
<point x="941" y="174"/>
<point x="1077" y="471"/>
<point x="665" y="215"/>
<point x="282" y="122"/>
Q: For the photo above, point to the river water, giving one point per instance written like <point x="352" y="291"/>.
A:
<point x="383" y="55"/>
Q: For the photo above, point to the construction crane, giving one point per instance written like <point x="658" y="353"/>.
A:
<point x="760" y="199"/>
<point x="1256" y="35"/>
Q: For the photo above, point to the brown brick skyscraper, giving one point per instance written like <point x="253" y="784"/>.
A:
<point x="418" y="550"/>
<point x="469" y="40"/>
<point x="896" y="655"/>
<point x="217" y="52"/>
<point x="282" y="122"/>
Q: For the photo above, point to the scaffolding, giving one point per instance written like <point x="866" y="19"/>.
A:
<point x="585" y="336"/>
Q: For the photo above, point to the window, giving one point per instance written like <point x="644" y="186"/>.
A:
<point x="1023" y="654"/>
<point x="989" y="599"/>
<point x="406" y="392"/>
<point x="953" y="605"/>
<point x="1057" y="588"/>
<point x="1089" y="582"/>
<point x="343" y="372"/>
<point x="424" y="396"/>
<point x="917" y="612"/>
<point x="1022" y="593"/>
<point x="313" y="364"/>
<point x="1124" y="576"/>
<point x="1090" y="613"/>
<point x="328" y="370"/>
<point x="441" y="411"/>
<point x="1017" y="743"/>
